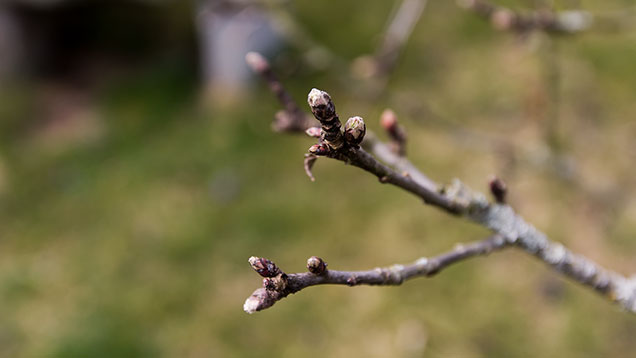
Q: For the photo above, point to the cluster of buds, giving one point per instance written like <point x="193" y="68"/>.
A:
<point x="324" y="110"/>
<point x="332" y="136"/>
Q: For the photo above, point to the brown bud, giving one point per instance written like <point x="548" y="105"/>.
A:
<point x="319" y="149"/>
<point x="316" y="265"/>
<point x="264" y="267"/>
<point x="498" y="189"/>
<point x="354" y="130"/>
<point x="321" y="105"/>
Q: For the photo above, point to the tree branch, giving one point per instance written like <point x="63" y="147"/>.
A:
<point x="281" y="285"/>
<point x="505" y="19"/>
<point x="299" y="122"/>
<point x="462" y="201"/>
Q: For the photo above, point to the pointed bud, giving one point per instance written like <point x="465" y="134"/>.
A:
<point x="316" y="265"/>
<point x="498" y="189"/>
<point x="263" y="266"/>
<point x="321" y="105"/>
<point x="355" y="130"/>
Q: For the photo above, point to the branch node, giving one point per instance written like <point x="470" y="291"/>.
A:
<point x="277" y="283"/>
<point x="352" y="281"/>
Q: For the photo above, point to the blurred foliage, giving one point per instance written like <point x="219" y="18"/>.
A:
<point x="125" y="232"/>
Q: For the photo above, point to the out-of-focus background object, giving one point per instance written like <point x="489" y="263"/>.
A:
<point x="138" y="172"/>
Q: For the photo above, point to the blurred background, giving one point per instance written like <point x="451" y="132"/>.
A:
<point x="138" y="172"/>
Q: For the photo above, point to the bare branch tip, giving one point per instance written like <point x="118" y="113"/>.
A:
<point x="259" y="300"/>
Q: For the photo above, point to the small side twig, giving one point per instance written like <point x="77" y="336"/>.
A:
<point x="281" y="285"/>
<point x="304" y="123"/>
<point x="396" y="132"/>
<point x="505" y="19"/>
<point x="292" y="118"/>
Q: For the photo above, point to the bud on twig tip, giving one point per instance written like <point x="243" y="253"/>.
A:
<point x="388" y="120"/>
<point x="316" y="265"/>
<point x="321" y="105"/>
<point x="257" y="62"/>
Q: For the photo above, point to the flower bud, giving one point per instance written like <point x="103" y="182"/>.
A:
<point x="264" y="267"/>
<point x="354" y="130"/>
<point x="321" y="105"/>
<point x="316" y="265"/>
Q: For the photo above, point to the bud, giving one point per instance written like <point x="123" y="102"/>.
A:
<point x="313" y="132"/>
<point x="263" y="266"/>
<point x="354" y="130"/>
<point x="316" y="265"/>
<point x="319" y="149"/>
<point x="321" y="105"/>
<point x="257" y="62"/>
<point x="498" y="189"/>
<point x="388" y="120"/>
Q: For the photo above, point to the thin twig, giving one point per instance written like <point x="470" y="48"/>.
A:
<point x="505" y="19"/>
<point x="265" y="297"/>
<point x="299" y="122"/>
